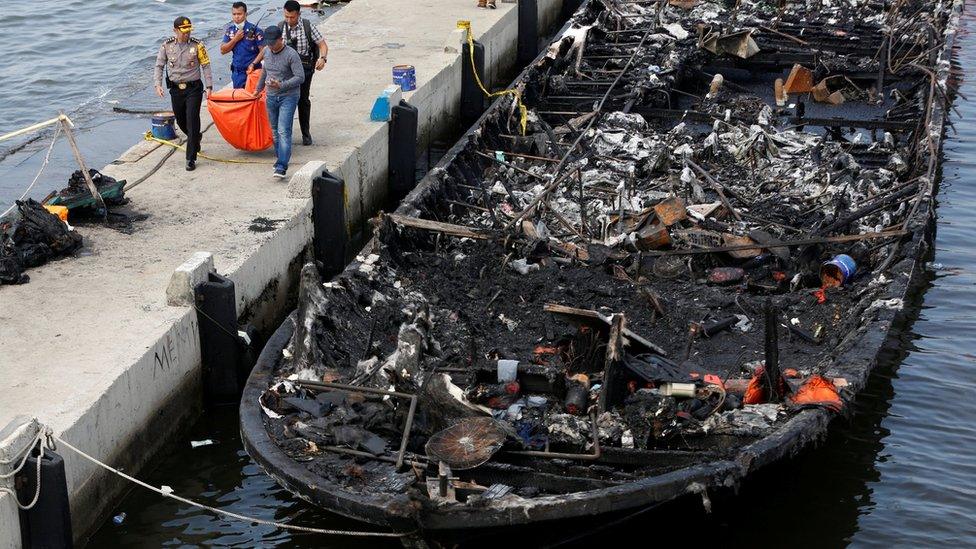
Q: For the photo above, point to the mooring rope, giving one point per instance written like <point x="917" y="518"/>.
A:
<point x="23" y="454"/>
<point x="523" y="112"/>
<point x="47" y="158"/>
<point x="229" y="514"/>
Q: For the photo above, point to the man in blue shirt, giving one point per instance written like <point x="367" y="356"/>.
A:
<point x="244" y="39"/>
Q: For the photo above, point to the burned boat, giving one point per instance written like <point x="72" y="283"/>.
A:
<point x="679" y="272"/>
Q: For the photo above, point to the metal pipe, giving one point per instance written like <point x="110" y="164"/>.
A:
<point x="351" y="388"/>
<point x="406" y="431"/>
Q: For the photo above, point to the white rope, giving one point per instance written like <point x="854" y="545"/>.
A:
<point x="228" y="513"/>
<point x="19" y="453"/>
<point x="26" y="451"/>
<point x="47" y="157"/>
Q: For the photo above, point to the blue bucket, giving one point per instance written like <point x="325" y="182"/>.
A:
<point x="405" y="76"/>
<point x="837" y="271"/>
<point x="163" y="126"/>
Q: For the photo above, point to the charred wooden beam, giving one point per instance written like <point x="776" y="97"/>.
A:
<point x="592" y="316"/>
<point x="615" y="351"/>
<point x="439" y="227"/>
<point x="771" y="371"/>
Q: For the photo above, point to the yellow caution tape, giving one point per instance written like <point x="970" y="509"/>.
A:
<point x="523" y="112"/>
<point x="150" y="137"/>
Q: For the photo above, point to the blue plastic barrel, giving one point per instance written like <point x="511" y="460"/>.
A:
<point x="163" y="126"/>
<point x="405" y="76"/>
<point x="838" y="270"/>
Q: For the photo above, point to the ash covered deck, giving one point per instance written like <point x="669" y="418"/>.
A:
<point x="635" y="289"/>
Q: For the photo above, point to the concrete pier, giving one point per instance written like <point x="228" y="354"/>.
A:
<point x="91" y="348"/>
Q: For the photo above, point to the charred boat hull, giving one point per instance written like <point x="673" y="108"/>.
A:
<point x="297" y="445"/>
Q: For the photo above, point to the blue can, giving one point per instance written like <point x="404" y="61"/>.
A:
<point x="163" y="126"/>
<point x="405" y="76"/>
<point x="837" y="271"/>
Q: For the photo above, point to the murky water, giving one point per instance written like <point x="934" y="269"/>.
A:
<point x="89" y="58"/>
<point x="900" y="473"/>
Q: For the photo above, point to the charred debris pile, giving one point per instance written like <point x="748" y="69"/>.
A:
<point x="32" y="234"/>
<point x="705" y="210"/>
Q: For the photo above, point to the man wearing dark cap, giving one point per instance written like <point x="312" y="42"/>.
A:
<point x="185" y="59"/>
<point x="283" y="76"/>
<point x="306" y="39"/>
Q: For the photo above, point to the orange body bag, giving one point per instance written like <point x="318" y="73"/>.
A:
<point x="242" y="118"/>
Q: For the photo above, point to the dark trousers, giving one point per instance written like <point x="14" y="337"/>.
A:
<point x="186" y="107"/>
<point x="304" y="104"/>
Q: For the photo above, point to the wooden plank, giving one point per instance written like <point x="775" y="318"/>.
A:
<point x="439" y="227"/>
<point x="84" y="167"/>
<point x="566" y="310"/>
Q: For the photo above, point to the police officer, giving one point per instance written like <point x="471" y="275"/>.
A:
<point x="244" y="39"/>
<point x="185" y="59"/>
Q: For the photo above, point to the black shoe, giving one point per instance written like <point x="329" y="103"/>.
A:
<point x="191" y="165"/>
<point x="306" y="140"/>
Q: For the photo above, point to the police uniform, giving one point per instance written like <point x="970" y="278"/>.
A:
<point x="184" y="62"/>
<point x="244" y="51"/>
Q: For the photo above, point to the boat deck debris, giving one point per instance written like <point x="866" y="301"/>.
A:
<point x="707" y="209"/>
